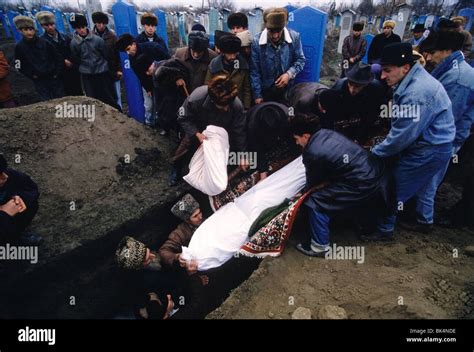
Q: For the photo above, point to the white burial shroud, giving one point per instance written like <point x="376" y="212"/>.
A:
<point x="223" y="233"/>
<point x="208" y="167"/>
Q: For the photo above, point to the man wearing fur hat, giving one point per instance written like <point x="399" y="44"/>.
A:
<point x="132" y="254"/>
<point x="231" y="63"/>
<point x="353" y="47"/>
<point x="420" y="140"/>
<point x="90" y="53"/>
<point x="237" y="22"/>
<point x="418" y="35"/>
<point x="459" y="22"/>
<point x="381" y="40"/>
<point x="196" y="57"/>
<point x="142" y="55"/>
<point x="38" y="60"/>
<point x="187" y="209"/>
<point x="70" y="74"/>
<point x="149" y="22"/>
<point x="101" y="20"/>
<point x="277" y="57"/>
<point x="246" y="46"/>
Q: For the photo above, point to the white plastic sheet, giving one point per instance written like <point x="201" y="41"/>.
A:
<point x="208" y="167"/>
<point x="224" y="232"/>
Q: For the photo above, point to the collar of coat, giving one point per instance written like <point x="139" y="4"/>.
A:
<point x="264" y="36"/>
<point x="447" y="64"/>
<point x="104" y="34"/>
<point x="217" y="64"/>
<point x="87" y="37"/>
<point x="401" y="87"/>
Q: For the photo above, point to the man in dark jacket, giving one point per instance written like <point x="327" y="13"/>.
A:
<point x="149" y="21"/>
<point x="353" y="48"/>
<point x="196" y="57"/>
<point x="357" y="116"/>
<point x="381" y="40"/>
<point x="38" y="60"/>
<point x="142" y="55"/>
<point x="348" y="178"/>
<point x="90" y="53"/>
<point x="18" y="202"/>
<point x="70" y="74"/>
<point x="101" y="20"/>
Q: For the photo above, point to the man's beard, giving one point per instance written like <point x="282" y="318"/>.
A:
<point x="155" y="264"/>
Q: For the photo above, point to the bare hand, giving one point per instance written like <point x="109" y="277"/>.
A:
<point x="258" y="101"/>
<point x="192" y="267"/>
<point x="67" y="63"/>
<point x="10" y="207"/>
<point x="244" y="164"/>
<point x="19" y="202"/>
<point x="282" y="81"/>
<point x="351" y="60"/>
<point x="119" y="74"/>
<point x="200" y="137"/>
<point x="180" y="82"/>
<point x="263" y="176"/>
<point x="204" y="279"/>
<point x="149" y="94"/>
<point x="181" y="261"/>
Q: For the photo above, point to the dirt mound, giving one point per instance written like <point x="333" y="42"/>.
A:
<point x="95" y="170"/>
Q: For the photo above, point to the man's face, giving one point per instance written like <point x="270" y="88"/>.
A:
<point x="355" y="88"/>
<point x="49" y="28"/>
<point x="435" y="57"/>
<point x="131" y="50"/>
<point x="302" y="141"/>
<point x="169" y="305"/>
<point x="82" y="31"/>
<point x="28" y="33"/>
<point x="392" y="74"/>
<point x="237" y="29"/>
<point x="417" y="35"/>
<point x="3" y="179"/>
<point x="357" y="33"/>
<point x="150" y="30"/>
<point x="387" y="31"/>
<point x="196" y="218"/>
<point x="275" y="34"/>
<point x="230" y="57"/>
<point x="100" y="26"/>
<point x="196" y="54"/>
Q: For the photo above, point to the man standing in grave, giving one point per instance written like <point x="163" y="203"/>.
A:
<point x="353" y="47"/>
<point x="277" y="57"/>
<point x="18" y="204"/>
<point x="421" y="142"/>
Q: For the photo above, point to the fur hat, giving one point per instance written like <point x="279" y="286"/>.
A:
<point x="418" y="57"/>
<point x="3" y="163"/>
<point x="142" y="64"/>
<point x="442" y="40"/>
<point x="100" y="17"/>
<point x="124" y="41"/>
<point x="130" y="253"/>
<point x="198" y="41"/>
<point x="419" y="27"/>
<point x="198" y="27"/>
<point x="459" y="20"/>
<point x="78" y="20"/>
<point x="229" y="43"/>
<point x="445" y="24"/>
<point x="237" y="19"/>
<point x="149" y="19"/>
<point x="22" y="22"/>
<point x="397" y="54"/>
<point x="276" y="18"/>
<point x="358" y="26"/>
<point x="245" y="38"/>
<point x="389" y="23"/>
<point x="45" y="17"/>
<point x="185" y="207"/>
<point x="222" y="90"/>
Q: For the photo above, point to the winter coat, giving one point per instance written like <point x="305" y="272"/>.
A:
<point x="143" y="38"/>
<point x="113" y="58"/>
<point x="268" y="63"/>
<point x="198" y="112"/>
<point x="354" y="47"/>
<point x="38" y="57"/>
<point x="196" y="68"/>
<point x="379" y="42"/>
<point x="90" y="53"/>
<point x="429" y="123"/>
<point x="457" y="77"/>
<point x="179" y="237"/>
<point x="154" y="51"/>
<point x="354" y="177"/>
<point x="240" y="76"/>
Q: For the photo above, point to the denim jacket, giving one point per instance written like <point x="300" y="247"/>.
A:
<point x="457" y="77"/>
<point x="432" y="122"/>
<point x="268" y="62"/>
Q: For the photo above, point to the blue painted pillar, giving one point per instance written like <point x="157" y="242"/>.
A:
<point x="6" y="24"/>
<point x="311" y="24"/>
<point x="11" y="15"/>
<point x="368" y="38"/>
<point x="162" y="29"/>
<point x="125" y="19"/>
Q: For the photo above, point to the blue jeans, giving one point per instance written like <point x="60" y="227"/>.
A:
<point x="49" y="88"/>
<point x="419" y="173"/>
<point x="319" y="228"/>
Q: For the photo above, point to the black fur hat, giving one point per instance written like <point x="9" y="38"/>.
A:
<point x="100" y="17"/>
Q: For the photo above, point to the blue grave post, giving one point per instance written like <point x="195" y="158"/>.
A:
<point x="469" y="13"/>
<point x="6" y="24"/>
<point x="311" y="24"/>
<point x="162" y="29"/>
<point x="181" y="28"/>
<point x="225" y="16"/>
<point x="368" y="37"/>
<point x="213" y="25"/>
<point x="126" y="22"/>
<point x="11" y="15"/>
<point x="337" y="22"/>
<point x="382" y="20"/>
<point x="290" y="8"/>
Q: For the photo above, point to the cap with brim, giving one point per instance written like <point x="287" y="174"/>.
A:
<point x="397" y="54"/>
<point x="360" y="74"/>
